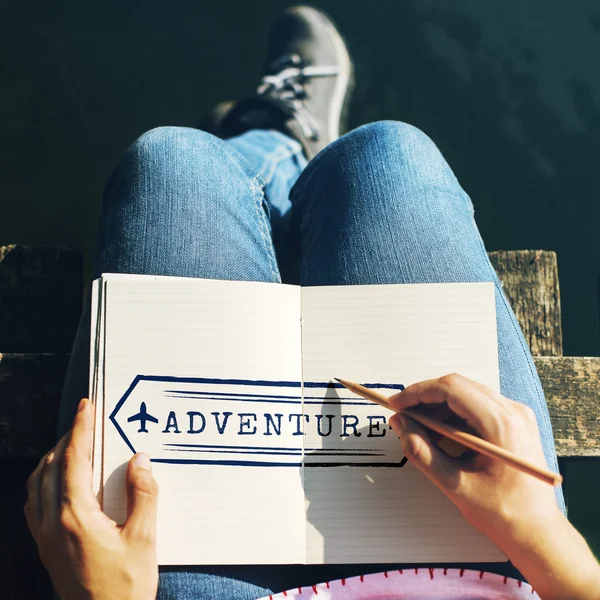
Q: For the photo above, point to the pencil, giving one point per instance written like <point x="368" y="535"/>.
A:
<point x="462" y="437"/>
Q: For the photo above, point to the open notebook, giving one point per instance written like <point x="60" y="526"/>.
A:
<point x="260" y="456"/>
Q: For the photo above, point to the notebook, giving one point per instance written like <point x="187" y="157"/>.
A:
<point x="260" y="456"/>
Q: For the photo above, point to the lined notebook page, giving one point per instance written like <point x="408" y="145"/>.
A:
<point x="391" y="334"/>
<point x="96" y="391"/>
<point x="197" y="344"/>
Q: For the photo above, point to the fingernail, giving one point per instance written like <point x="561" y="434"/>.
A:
<point x="82" y="404"/>
<point x="143" y="461"/>
<point x="398" y="423"/>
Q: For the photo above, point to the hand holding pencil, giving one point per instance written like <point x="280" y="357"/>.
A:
<point x="461" y="439"/>
<point x="490" y="492"/>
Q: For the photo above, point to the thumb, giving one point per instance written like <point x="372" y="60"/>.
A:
<point x="420" y="450"/>
<point x="142" y="499"/>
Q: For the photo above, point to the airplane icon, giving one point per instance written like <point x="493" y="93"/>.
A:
<point x="142" y="417"/>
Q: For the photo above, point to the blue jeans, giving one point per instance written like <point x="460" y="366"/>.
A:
<point x="379" y="205"/>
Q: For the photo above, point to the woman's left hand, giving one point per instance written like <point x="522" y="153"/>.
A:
<point x="87" y="554"/>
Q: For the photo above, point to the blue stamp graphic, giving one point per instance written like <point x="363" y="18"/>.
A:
<point x="266" y="423"/>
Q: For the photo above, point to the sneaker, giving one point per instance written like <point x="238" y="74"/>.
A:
<point x="306" y="87"/>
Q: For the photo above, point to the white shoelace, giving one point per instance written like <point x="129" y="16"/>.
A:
<point x="287" y="86"/>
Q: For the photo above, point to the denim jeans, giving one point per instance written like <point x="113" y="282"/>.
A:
<point x="379" y="205"/>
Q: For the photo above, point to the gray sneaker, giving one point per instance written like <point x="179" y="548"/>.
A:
<point x="306" y="87"/>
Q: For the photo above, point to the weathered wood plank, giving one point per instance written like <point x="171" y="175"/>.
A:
<point x="572" y="388"/>
<point x="530" y="282"/>
<point x="41" y="291"/>
<point x="40" y="298"/>
<point x="30" y="387"/>
<point x="22" y="576"/>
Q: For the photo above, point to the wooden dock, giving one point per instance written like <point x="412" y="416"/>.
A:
<point x="40" y="303"/>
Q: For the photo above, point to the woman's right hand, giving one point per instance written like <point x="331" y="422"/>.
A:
<point x="494" y="497"/>
<point x="516" y="511"/>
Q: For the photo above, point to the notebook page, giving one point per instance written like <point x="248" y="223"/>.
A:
<point x="94" y="337"/>
<point x="207" y="360"/>
<point x="98" y="466"/>
<point x="367" y="508"/>
<point x="95" y="394"/>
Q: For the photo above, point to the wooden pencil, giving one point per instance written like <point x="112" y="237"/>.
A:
<point x="462" y="437"/>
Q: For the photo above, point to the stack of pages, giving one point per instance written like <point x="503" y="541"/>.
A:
<point x="261" y="458"/>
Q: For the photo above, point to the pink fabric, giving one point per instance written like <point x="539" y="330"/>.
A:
<point x="421" y="584"/>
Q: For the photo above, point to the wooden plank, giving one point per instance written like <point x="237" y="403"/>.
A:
<point x="572" y="387"/>
<point x="30" y="388"/>
<point x="22" y="576"/>
<point x="40" y="298"/>
<point x="530" y="282"/>
<point x="41" y="290"/>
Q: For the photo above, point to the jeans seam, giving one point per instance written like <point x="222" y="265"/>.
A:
<point x="298" y="204"/>
<point x="524" y="349"/>
<point x="307" y="173"/>
<point x="263" y="224"/>
<point x="539" y="390"/>
<point x="257" y="185"/>
<point x="260" y="181"/>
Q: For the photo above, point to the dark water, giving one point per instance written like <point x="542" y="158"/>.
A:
<point x="510" y="92"/>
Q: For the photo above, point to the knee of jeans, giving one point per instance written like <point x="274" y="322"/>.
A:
<point x="401" y="136"/>
<point x="387" y="156"/>
<point x="167" y="156"/>
<point x="169" y="141"/>
<point x="399" y="149"/>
